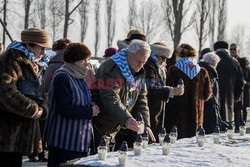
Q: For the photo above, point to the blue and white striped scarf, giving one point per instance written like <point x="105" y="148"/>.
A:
<point x="153" y="55"/>
<point x="187" y="66"/>
<point x="18" y="46"/>
<point x="121" y="61"/>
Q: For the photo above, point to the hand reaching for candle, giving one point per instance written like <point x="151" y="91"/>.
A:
<point x="132" y="124"/>
<point x="151" y="135"/>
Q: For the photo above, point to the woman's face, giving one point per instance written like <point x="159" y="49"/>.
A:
<point x="37" y="50"/>
<point x="84" y="63"/>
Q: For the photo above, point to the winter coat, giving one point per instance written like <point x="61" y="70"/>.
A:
<point x="212" y="116"/>
<point x="18" y="131"/>
<point x="231" y="84"/>
<point x="54" y="64"/>
<point x="157" y="92"/>
<point x="186" y="111"/>
<point x="116" y="102"/>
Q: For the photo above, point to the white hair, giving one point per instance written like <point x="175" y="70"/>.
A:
<point x="211" y="58"/>
<point x="138" y="45"/>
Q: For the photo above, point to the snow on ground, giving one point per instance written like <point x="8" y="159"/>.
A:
<point x="185" y="153"/>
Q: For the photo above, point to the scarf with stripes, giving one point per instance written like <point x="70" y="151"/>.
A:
<point x="188" y="67"/>
<point x="121" y="61"/>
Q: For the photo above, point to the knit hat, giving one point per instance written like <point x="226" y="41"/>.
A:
<point x="220" y="45"/>
<point x="35" y="35"/>
<point x="161" y="48"/>
<point x="110" y="52"/>
<point x="185" y="50"/>
<point x="75" y="52"/>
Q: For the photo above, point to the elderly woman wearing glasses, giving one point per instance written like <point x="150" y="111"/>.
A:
<point x="68" y="128"/>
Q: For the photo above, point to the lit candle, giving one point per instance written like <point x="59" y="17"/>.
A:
<point x="145" y="138"/>
<point x="162" y="134"/>
<point x="173" y="135"/>
<point x="139" y="119"/>
<point x="123" y="157"/>
<point x="102" y="149"/>
<point x="230" y="131"/>
<point x="216" y="135"/>
<point x="200" y="138"/>
<point x="242" y="128"/>
<point x="138" y="145"/>
<point x="166" y="145"/>
<point x="197" y="131"/>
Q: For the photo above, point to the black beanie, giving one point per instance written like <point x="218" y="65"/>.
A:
<point x="220" y="45"/>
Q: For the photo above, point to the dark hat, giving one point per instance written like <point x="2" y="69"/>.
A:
<point x="75" y="52"/>
<point x="161" y="48"/>
<point x="220" y="45"/>
<point x="35" y="35"/>
<point x="185" y="50"/>
<point x="204" y="51"/>
<point x="110" y="52"/>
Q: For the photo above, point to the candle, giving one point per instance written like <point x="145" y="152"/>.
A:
<point x="145" y="138"/>
<point x="173" y="135"/>
<point x="162" y="134"/>
<point x="200" y="137"/>
<point x="123" y="157"/>
<point x="139" y="119"/>
<point x="138" y="145"/>
<point x="216" y="135"/>
<point x="102" y="149"/>
<point x="242" y="130"/>
<point x="166" y="145"/>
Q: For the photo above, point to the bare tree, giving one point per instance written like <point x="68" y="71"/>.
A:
<point x="27" y="5"/>
<point x="212" y="21"/>
<point x="222" y="19"/>
<point x="56" y="14"/>
<point x="175" y="13"/>
<point x="150" y="20"/>
<point x="67" y="14"/>
<point x="203" y="10"/>
<point x="4" y="20"/>
<point x="97" y="25"/>
<point x="41" y="6"/>
<point x="110" y="21"/>
<point x="132" y="19"/>
<point x="83" y="12"/>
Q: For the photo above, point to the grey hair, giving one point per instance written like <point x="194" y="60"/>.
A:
<point x="138" y="45"/>
<point x="211" y="58"/>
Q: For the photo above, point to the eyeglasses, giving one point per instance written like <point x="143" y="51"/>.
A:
<point x="232" y="48"/>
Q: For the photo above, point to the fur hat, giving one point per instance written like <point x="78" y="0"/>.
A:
<point x="204" y="51"/>
<point x="220" y="45"/>
<point x="35" y="35"/>
<point x="160" y="48"/>
<point x="185" y="50"/>
<point x="60" y="44"/>
<point x="110" y="52"/>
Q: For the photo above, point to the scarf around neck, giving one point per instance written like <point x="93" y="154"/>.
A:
<point x="188" y="67"/>
<point x="120" y="60"/>
<point x="74" y="71"/>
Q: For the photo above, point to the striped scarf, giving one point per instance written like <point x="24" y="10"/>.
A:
<point x="188" y="67"/>
<point x="121" y="61"/>
<point x="18" y="46"/>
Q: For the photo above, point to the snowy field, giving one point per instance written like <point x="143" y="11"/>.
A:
<point x="185" y="153"/>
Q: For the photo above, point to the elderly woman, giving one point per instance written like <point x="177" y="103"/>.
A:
<point x="158" y="92"/>
<point x="68" y="128"/>
<point x="186" y="111"/>
<point x="21" y="103"/>
<point x="212" y="116"/>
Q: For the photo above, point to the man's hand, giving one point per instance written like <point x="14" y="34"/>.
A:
<point x="178" y="91"/>
<point x="132" y="124"/>
<point x="151" y="135"/>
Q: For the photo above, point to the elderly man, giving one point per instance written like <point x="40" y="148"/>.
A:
<point x="121" y="93"/>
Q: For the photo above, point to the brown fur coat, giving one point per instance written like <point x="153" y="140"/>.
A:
<point x="18" y="131"/>
<point x="186" y="111"/>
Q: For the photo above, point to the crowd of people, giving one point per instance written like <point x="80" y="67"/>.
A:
<point x="65" y="106"/>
